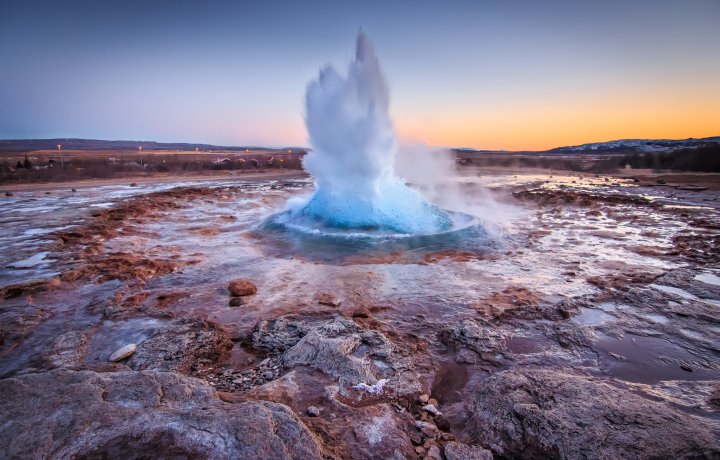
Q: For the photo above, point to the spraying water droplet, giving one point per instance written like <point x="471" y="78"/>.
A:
<point x="352" y="157"/>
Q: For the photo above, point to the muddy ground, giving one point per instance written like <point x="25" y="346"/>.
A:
<point x="586" y="325"/>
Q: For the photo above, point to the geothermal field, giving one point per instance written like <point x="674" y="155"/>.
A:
<point x="374" y="305"/>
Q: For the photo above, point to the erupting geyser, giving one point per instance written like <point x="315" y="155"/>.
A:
<point x="353" y="150"/>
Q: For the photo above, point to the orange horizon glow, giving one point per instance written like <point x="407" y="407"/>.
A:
<point x="533" y="125"/>
<point x="492" y="137"/>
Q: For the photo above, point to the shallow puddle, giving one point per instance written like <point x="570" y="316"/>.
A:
<point x="651" y="359"/>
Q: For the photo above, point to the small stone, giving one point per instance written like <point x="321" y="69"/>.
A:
<point x="264" y="362"/>
<point x="134" y="184"/>
<point x="124" y="352"/>
<point x="236" y="301"/>
<point x="268" y="375"/>
<point x="420" y="450"/>
<point x="459" y="451"/>
<point x="424" y="398"/>
<point x="434" y="402"/>
<point x="433" y="453"/>
<point x="325" y="298"/>
<point x="73" y="190"/>
<point x="8" y="194"/>
<point x="239" y="288"/>
<point x="442" y="423"/>
<point x="430" y="408"/>
<point x="447" y="436"/>
<point x="428" y="429"/>
<point x="686" y="368"/>
<point x="416" y="439"/>
<point x="429" y="442"/>
<point x="313" y="411"/>
<point x="361" y="313"/>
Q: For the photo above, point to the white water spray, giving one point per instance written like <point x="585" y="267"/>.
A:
<point x="352" y="157"/>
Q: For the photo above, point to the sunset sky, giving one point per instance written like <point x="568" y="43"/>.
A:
<point x="486" y="74"/>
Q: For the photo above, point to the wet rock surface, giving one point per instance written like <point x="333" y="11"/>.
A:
<point x="554" y="414"/>
<point x="340" y="348"/>
<point x="590" y="330"/>
<point x="182" y="345"/>
<point x="474" y="341"/>
<point x="72" y="414"/>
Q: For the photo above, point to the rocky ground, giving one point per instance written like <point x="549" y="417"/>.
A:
<point x="167" y="326"/>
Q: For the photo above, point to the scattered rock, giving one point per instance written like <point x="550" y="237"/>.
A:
<point x="239" y="288"/>
<point x="427" y="428"/>
<point x="73" y="190"/>
<point x="313" y="411"/>
<point x="433" y="453"/>
<point x="325" y="298"/>
<point x="340" y="348"/>
<point x="378" y="431"/>
<point x="570" y="334"/>
<point x="168" y="298"/>
<point x="429" y="442"/>
<point x="182" y="345"/>
<point x="361" y="313"/>
<point x="549" y="413"/>
<point x="8" y="194"/>
<point x="148" y="414"/>
<point x="424" y="398"/>
<point x="459" y="451"/>
<point x="431" y="409"/>
<point x="124" y="352"/>
<point x="473" y="341"/>
<point x="236" y="301"/>
<point x="134" y="184"/>
<point x="686" y="368"/>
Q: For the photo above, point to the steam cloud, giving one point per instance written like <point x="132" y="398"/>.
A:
<point x="352" y="157"/>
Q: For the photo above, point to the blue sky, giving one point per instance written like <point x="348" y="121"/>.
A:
<point x="476" y="73"/>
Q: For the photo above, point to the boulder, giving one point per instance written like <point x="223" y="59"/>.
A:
<point x="552" y="413"/>
<point x="240" y="288"/>
<point x="340" y="348"/>
<point x="133" y="415"/>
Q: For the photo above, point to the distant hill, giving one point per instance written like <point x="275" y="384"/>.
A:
<point x="20" y="145"/>
<point x="639" y="145"/>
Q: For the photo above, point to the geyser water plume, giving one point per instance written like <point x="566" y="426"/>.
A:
<point x="352" y="157"/>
